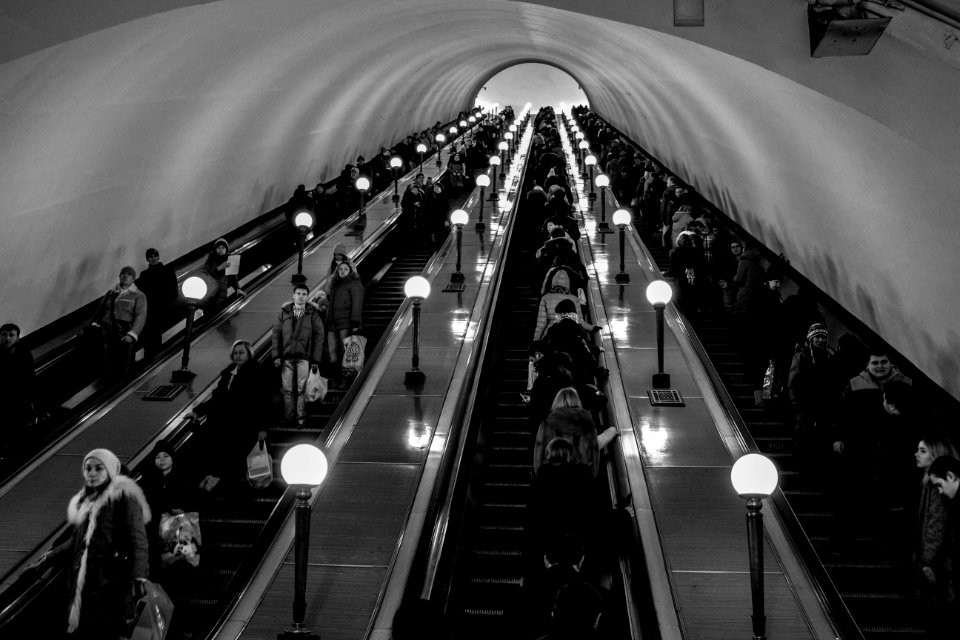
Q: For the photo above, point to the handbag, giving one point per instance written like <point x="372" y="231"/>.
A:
<point x="316" y="388"/>
<point x="259" y="465"/>
<point x="353" y="347"/>
<point x="153" y="614"/>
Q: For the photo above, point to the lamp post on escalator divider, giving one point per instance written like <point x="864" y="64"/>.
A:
<point x="303" y="221"/>
<point x="590" y="161"/>
<point x="417" y="289"/>
<point x="483" y="181"/>
<point x="440" y="138"/>
<point x="303" y="467"/>
<point x="194" y="290"/>
<point x="494" y="163"/>
<point x="621" y="218"/>
<point x="421" y="149"/>
<point x="754" y="477"/>
<point x="463" y="124"/>
<point x="458" y="218"/>
<point x="509" y="139"/>
<point x="512" y="129"/>
<point x="659" y="293"/>
<point x="362" y="184"/>
<point x="582" y="148"/>
<point x="395" y="164"/>
<point x="603" y="181"/>
<point x="502" y="146"/>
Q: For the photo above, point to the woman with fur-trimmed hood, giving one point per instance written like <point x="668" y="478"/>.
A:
<point x="107" y="553"/>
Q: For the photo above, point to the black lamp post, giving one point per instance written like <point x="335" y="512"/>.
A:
<point x="304" y="223"/>
<point x="417" y="289"/>
<point x="754" y="478"/>
<point x="659" y="294"/>
<point x="621" y="218"/>
<point x="512" y="135"/>
<point x="504" y="147"/>
<point x="362" y="184"/>
<point x="194" y="289"/>
<point x="395" y="164"/>
<point x="421" y="149"/>
<point x="483" y="181"/>
<point x="440" y="138"/>
<point x="494" y="163"/>
<point x="303" y="466"/>
<point x="590" y="161"/>
<point x="603" y="181"/>
<point x="582" y="147"/>
<point x="459" y="218"/>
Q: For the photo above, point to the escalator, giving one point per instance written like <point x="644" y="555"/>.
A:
<point x="239" y="523"/>
<point x="871" y="575"/>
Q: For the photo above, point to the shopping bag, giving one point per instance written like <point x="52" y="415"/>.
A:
<point x="180" y="535"/>
<point x="153" y="614"/>
<point x="259" y="465"/>
<point x="769" y="382"/>
<point x="316" y="388"/>
<point x="353" y="347"/>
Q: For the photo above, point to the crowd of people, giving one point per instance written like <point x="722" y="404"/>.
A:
<point x="857" y="420"/>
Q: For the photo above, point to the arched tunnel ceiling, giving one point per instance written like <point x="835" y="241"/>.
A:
<point x="168" y="128"/>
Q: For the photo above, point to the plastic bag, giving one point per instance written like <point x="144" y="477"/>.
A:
<point x="316" y="388"/>
<point x="353" y="347"/>
<point x="153" y="614"/>
<point x="769" y="381"/>
<point x="259" y="465"/>
<point x="180" y="533"/>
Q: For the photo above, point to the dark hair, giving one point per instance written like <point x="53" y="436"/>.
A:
<point x="944" y="464"/>
<point x="152" y="252"/>
<point x="10" y="327"/>
<point x="301" y="285"/>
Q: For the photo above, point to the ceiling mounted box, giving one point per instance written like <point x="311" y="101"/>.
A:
<point x="847" y="30"/>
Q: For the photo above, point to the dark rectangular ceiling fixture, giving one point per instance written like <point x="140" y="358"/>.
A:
<point x="688" y="13"/>
<point x="844" y="29"/>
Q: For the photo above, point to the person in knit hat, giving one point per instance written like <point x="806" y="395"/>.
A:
<point x="339" y="255"/>
<point x="809" y="386"/>
<point x="108" y="517"/>
<point x="216" y="267"/>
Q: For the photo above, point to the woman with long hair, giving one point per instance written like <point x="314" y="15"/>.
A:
<point x="344" y="311"/>
<point x="107" y="554"/>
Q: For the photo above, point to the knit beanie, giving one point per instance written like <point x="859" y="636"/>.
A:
<point x="341" y="249"/>
<point x="109" y="460"/>
<point x="163" y="447"/>
<point x="816" y="329"/>
<point x="222" y="241"/>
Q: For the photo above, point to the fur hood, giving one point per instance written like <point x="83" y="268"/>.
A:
<point x="121" y="485"/>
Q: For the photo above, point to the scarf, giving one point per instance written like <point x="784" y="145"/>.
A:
<point x="298" y="311"/>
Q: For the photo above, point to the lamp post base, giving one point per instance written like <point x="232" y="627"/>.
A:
<point x="298" y="632"/>
<point x="661" y="381"/>
<point x="592" y="195"/>
<point x="622" y="278"/>
<point x="182" y="375"/>
<point x="395" y="198"/>
<point x="479" y="226"/>
<point x="414" y="378"/>
<point x="457" y="277"/>
<point x="604" y="227"/>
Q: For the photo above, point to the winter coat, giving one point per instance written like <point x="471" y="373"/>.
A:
<point x="123" y="311"/>
<point x="570" y="337"/>
<point x="243" y="401"/>
<point x="159" y="283"/>
<point x="17" y="383"/>
<point x="298" y="339"/>
<point x="558" y="280"/>
<point x="681" y="218"/>
<point x="105" y="554"/>
<point x="931" y="544"/>
<point x="574" y="425"/>
<point x="810" y="384"/>
<point x="863" y="416"/>
<point x="345" y="300"/>
<point x="749" y="281"/>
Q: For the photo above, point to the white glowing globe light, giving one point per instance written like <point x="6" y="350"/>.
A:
<point x="590" y="160"/>
<point x="602" y="181"/>
<point x="478" y="115"/>
<point x="459" y="217"/>
<point x="483" y="180"/>
<point x="517" y="122"/>
<point x="574" y="128"/>
<point x="303" y="464"/>
<point x="472" y="119"/>
<point x="508" y="135"/>
<point x="463" y="123"/>
<point x="494" y="161"/>
<point x="440" y="138"/>
<point x="303" y="220"/>
<point x="396" y="162"/>
<point x="362" y="184"/>
<point x="417" y="287"/>
<point x="584" y="144"/>
<point x="621" y="217"/>
<point x="578" y="135"/>
<point x="754" y="475"/>
<point x="659" y="292"/>
<point x="194" y="288"/>
<point x="453" y="131"/>
<point x="512" y="127"/>
<point x="502" y="146"/>
<point x="421" y="148"/>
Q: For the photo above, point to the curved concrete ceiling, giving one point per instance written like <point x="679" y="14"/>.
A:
<point x="167" y="128"/>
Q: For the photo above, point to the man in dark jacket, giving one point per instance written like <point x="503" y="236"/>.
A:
<point x="297" y="345"/>
<point x="119" y="321"/>
<point x="944" y="474"/>
<point x="159" y="283"/>
<point x="17" y="388"/>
